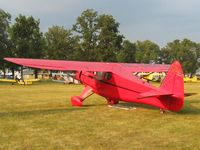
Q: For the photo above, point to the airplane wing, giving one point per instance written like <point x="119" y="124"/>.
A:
<point x="145" y="67"/>
<point x="8" y="80"/>
<point x="32" y="80"/>
<point x="88" y="66"/>
<point x="62" y="65"/>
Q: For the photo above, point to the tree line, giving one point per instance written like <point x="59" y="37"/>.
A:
<point x="92" y="37"/>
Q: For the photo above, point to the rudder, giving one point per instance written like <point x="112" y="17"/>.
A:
<point x="173" y="83"/>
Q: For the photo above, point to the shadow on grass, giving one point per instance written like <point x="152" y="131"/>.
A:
<point x="93" y="105"/>
<point x="189" y="108"/>
<point x="39" y="112"/>
<point x="137" y="105"/>
<point x="189" y="94"/>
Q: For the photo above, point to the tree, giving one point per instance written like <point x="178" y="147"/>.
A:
<point x="86" y="30"/>
<point x="4" y="40"/>
<point x="27" y="39"/>
<point x="147" y="52"/>
<point x="127" y="53"/>
<point x="185" y="51"/>
<point x="60" y="43"/>
<point x="98" y="35"/>
<point x="198" y="55"/>
<point x="109" y="40"/>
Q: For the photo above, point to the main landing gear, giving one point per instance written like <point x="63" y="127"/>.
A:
<point x="78" y="100"/>
<point x="112" y="101"/>
<point x="162" y="111"/>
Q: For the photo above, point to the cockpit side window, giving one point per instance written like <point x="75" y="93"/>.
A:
<point x="107" y="76"/>
<point x="103" y="75"/>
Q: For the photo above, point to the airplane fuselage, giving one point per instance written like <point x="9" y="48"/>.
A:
<point x="115" y="88"/>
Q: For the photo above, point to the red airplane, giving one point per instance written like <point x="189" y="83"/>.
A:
<point x="116" y="82"/>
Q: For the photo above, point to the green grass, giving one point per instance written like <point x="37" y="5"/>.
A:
<point x="40" y="116"/>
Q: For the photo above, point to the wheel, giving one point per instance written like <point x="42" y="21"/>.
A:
<point x="76" y="101"/>
<point x="162" y="111"/>
<point x="112" y="101"/>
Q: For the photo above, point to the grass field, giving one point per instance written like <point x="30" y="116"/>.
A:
<point x="40" y="117"/>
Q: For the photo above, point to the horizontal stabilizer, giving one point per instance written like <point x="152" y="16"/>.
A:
<point x="154" y="93"/>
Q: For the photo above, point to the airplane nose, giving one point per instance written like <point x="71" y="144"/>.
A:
<point x="77" y="75"/>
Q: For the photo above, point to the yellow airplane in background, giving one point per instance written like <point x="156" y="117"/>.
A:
<point x="158" y="77"/>
<point x="21" y="82"/>
<point x="152" y="76"/>
<point x="191" y="79"/>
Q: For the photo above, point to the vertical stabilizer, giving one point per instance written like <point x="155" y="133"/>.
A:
<point x="173" y="83"/>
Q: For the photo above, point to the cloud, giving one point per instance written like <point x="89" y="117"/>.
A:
<point x="38" y="6"/>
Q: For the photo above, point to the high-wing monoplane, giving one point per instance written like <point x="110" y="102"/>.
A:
<point x="116" y="82"/>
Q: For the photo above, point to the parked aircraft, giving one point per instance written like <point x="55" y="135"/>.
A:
<point x="151" y="76"/>
<point x="191" y="79"/>
<point x="116" y="82"/>
<point x="21" y="82"/>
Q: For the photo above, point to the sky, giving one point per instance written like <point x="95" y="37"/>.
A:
<point x="160" y="21"/>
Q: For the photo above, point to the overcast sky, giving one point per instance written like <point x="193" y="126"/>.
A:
<point x="160" y="21"/>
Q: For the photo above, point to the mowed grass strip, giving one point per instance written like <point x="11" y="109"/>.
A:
<point x="40" y="116"/>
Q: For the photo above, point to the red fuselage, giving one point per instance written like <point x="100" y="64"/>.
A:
<point x="116" y="88"/>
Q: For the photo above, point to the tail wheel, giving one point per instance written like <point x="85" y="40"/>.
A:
<point x="112" y="101"/>
<point x="76" y="101"/>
